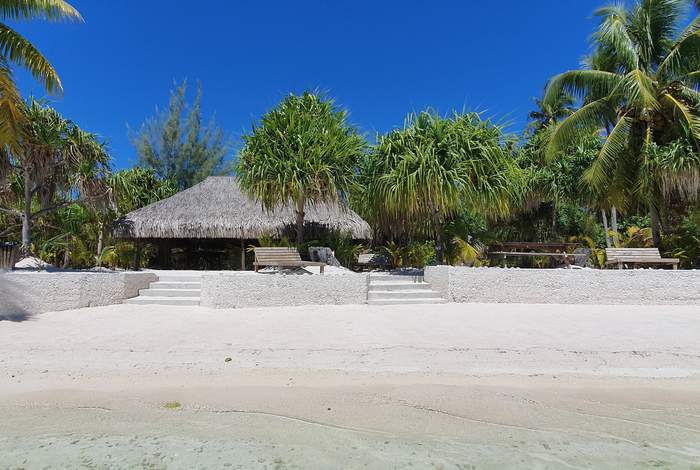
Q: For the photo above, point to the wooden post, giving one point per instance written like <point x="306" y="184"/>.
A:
<point x="137" y="255"/>
<point x="242" y="254"/>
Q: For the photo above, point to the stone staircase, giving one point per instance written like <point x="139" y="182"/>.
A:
<point x="171" y="289"/>
<point x="401" y="289"/>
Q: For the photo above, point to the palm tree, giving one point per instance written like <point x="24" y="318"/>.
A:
<point x="548" y="114"/>
<point x="59" y="164"/>
<point x="303" y="152"/>
<point x="16" y="49"/>
<point x="644" y="90"/>
<point x="420" y="177"/>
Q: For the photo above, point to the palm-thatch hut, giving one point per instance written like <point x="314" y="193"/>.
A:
<point x="216" y="215"/>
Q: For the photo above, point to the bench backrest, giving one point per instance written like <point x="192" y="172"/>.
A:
<point x="642" y="254"/>
<point x="265" y="254"/>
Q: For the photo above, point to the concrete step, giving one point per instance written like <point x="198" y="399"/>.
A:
<point x="398" y="286"/>
<point x="179" y="278"/>
<point x="396" y="279"/>
<point x="417" y="301"/>
<point x="176" y="285"/>
<point x="148" y="300"/>
<point x="151" y="292"/>
<point x="404" y="294"/>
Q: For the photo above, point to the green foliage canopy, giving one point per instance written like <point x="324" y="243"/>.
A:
<point x="303" y="151"/>
<point x="178" y="147"/>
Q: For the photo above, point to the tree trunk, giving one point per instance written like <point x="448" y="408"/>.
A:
<point x="100" y="242"/>
<point x="605" y="226"/>
<point x="655" y="226"/>
<point x="301" y="202"/>
<point x="439" y="242"/>
<point x="66" y="258"/>
<point x="27" y="215"/>
<point x="613" y="220"/>
<point x="554" y="220"/>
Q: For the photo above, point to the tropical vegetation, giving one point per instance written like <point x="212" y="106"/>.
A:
<point x="303" y="152"/>
<point x="178" y="147"/>
<point x="611" y="157"/>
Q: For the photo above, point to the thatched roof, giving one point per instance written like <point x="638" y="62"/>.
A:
<point x="217" y="208"/>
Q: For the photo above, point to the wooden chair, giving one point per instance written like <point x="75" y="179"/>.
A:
<point x="281" y="257"/>
<point x="637" y="256"/>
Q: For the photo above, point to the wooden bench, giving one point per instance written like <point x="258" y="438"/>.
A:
<point x="637" y="256"/>
<point x="533" y="249"/>
<point x="371" y="260"/>
<point x="281" y="257"/>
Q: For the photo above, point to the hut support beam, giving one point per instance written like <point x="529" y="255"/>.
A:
<point x="137" y="255"/>
<point x="242" y="254"/>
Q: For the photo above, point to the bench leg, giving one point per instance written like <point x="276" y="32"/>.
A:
<point x="619" y="265"/>
<point x="675" y="266"/>
<point x="322" y="269"/>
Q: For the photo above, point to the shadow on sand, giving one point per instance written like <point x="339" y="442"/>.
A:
<point x="10" y="307"/>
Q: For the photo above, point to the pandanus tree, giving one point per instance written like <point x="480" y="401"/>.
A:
<point x="302" y="152"/>
<point x="16" y="49"/>
<point x="420" y="177"/>
<point x="641" y="94"/>
<point x="59" y="164"/>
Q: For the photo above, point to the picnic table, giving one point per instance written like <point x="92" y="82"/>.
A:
<point x="555" y="250"/>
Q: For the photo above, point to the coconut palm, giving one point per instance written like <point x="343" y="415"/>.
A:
<point x="548" y="114"/>
<point x="303" y="152"/>
<point x="420" y="177"/>
<point x="644" y="89"/>
<point x="16" y="49"/>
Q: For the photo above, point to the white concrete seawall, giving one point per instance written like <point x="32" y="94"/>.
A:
<point x="566" y="286"/>
<point x="24" y="293"/>
<point x="249" y="289"/>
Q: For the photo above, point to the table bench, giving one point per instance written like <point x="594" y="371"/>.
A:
<point x="534" y="249"/>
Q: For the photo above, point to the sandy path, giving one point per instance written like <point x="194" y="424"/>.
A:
<point x="447" y="386"/>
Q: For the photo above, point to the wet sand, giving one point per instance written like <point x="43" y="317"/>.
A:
<point x="441" y="387"/>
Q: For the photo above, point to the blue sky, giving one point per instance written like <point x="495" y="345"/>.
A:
<point x="379" y="59"/>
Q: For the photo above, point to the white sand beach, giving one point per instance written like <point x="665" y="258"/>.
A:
<point x="452" y="386"/>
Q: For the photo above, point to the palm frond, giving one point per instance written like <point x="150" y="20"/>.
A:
<point x="51" y="10"/>
<point x="639" y="90"/>
<point x="15" y="48"/>
<point x="581" y="83"/>
<point x="613" y="35"/>
<point x="680" y="110"/>
<point x="603" y="167"/>
<point x="588" y="118"/>
<point x="12" y="119"/>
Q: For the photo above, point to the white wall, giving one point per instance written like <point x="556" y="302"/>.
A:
<point x="565" y="286"/>
<point x="36" y="292"/>
<point x="248" y="289"/>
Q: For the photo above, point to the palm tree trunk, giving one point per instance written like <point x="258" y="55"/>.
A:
<point x="605" y="227"/>
<point x="100" y="242"/>
<point x="613" y="219"/>
<point x="439" y="242"/>
<point x="66" y="258"/>
<point x="26" y="216"/>
<point x="554" y="220"/>
<point x="301" y="202"/>
<point x="655" y="226"/>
